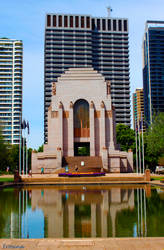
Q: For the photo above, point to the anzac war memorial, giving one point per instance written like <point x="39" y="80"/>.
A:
<point x="81" y="127"/>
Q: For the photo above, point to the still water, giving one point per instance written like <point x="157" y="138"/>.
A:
<point x="81" y="211"/>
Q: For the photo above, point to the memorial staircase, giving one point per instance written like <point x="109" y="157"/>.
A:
<point x="91" y="164"/>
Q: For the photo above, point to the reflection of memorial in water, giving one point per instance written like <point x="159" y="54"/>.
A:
<point x="82" y="213"/>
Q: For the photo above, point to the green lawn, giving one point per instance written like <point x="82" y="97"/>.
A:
<point x="6" y="179"/>
<point x="157" y="178"/>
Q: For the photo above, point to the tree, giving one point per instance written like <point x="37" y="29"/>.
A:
<point x="125" y="136"/>
<point x="13" y="157"/>
<point x="154" y="141"/>
<point x="40" y="149"/>
<point x="3" y="153"/>
<point x="155" y="136"/>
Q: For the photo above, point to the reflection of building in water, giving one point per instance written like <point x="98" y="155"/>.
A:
<point x="50" y="201"/>
<point x="84" y="213"/>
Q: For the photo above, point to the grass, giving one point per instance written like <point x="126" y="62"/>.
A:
<point x="157" y="178"/>
<point x="7" y="179"/>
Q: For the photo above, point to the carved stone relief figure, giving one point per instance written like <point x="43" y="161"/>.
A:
<point x="108" y="87"/>
<point x="102" y="105"/>
<point x="54" y="88"/>
<point x="92" y="105"/>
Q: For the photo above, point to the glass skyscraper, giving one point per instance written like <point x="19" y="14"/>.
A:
<point x="86" y="41"/>
<point x="153" y="69"/>
<point x="11" y="64"/>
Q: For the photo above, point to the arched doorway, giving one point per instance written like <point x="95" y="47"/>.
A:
<point x="81" y="127"/>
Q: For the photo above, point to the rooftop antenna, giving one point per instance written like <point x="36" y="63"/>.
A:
<point x="109" y="9"/>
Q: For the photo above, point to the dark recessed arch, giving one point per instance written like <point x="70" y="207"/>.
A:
<point x="81" y="114"/>
<point x="81" y="118"/>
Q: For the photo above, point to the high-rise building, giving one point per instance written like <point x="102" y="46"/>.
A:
<point x="86" y="41"/>
<point x="11" y="63"/>
<point x="138" y="106"/>
<point x="153" y="68"/>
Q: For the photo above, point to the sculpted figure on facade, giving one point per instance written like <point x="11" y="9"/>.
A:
<point x="71" y="105"/>
<point x="60" y="105"/>
<point x="108" y="84"/>
<point x="102" y="105"/>
<point x="53" y="88"/>
<point x="92" y="105"/>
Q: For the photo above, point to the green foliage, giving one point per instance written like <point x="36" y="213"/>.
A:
<point x="154" y="142"/>
<point x="155" y="136"/>
<point x="3" y="152"/>
<point x="13" y="158"/>
<point x="83" y="151"/>
<point x="40" y="149"/>
<point x="29" y="158"/>
<point x="9" y="156"/>
<point x="125" y="137"/>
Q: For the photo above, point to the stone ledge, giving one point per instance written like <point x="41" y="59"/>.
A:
<point x="47" y="156"/>
<point x="85" y="244"/>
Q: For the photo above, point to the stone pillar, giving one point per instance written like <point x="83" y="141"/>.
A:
<point x="93" y="220"/>
<point x="70" y="131"/>
<point x="71" y="220"/>
<point x="130" y="161"/>
<point x="104" y="151"/>
<point x="92" y="130"/>
<point x="60" y="126"/>
<point x="111" y="143"/>
<point x="102" y="126"/>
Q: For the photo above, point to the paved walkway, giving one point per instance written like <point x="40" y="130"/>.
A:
<point x="85" y="244"/>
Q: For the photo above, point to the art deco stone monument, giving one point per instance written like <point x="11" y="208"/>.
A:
<point x="81" y="116"/>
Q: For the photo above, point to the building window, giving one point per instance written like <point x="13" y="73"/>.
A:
<point x="98" y="24"/>
<point x="109" y="24"/>
<point x="82" y="22"/>
<point x="77" y="21"/>
<point x="88" y="22"/>
<point x="93" y="24"/>
<point x="119" y="25"/>
<point x="54" y="21"/>
<point x="71" y="21"/>
<point x="65" y="21"/>
<point x="125" y="25"/>
<point x="114" y="25"/>
<point x="60" y="21"/>
<point x="48" y="20"/>
<point x="103" y="24"/>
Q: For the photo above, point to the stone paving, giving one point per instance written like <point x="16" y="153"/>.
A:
<point x="85" y="244"/>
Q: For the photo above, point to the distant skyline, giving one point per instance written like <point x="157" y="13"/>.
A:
<point x="25" y="20"/>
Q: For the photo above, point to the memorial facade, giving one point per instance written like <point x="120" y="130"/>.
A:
<point x="81" y="126"/>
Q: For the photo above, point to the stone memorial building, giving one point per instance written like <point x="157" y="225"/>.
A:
<point x="81" y="127"/>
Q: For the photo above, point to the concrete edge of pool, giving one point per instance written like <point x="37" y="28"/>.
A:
<point x="108" y="179"/>
<point x="148" y="243"/>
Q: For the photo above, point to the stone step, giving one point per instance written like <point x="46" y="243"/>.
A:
<point x="91" y="163"/>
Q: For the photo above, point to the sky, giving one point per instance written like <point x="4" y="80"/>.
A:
<point x="25" y="20"/>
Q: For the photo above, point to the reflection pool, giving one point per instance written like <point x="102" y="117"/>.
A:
<point x="81" y="211"/>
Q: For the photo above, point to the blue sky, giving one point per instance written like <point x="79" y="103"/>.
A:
<point x="25" y="20"/>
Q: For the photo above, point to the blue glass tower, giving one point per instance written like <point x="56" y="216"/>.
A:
<point x="153" y="69"/>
